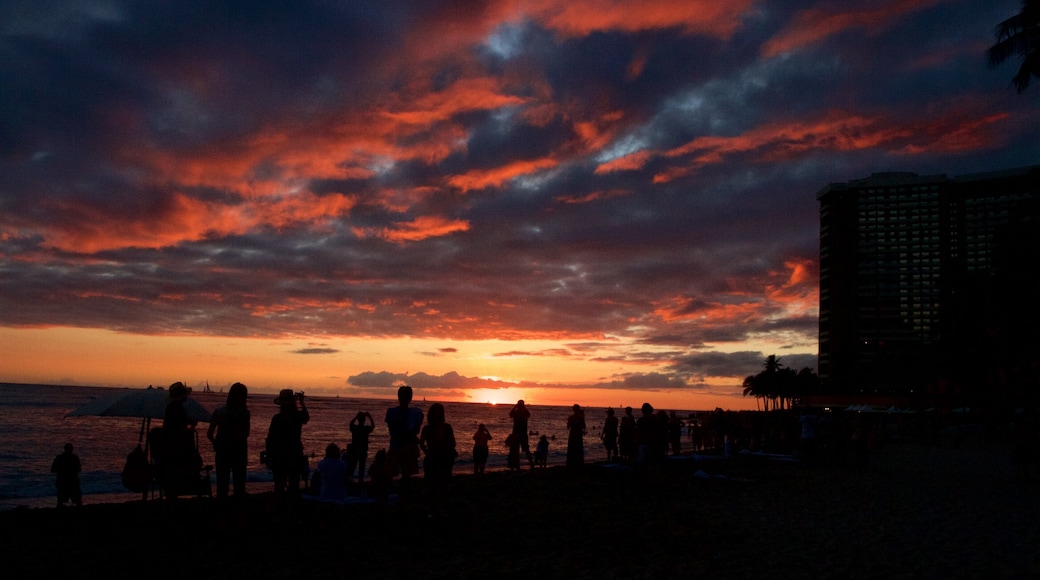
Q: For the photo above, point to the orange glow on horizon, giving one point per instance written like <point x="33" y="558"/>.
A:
<point x="109" y="359"/>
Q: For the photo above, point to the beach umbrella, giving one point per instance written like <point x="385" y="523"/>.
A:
<point x="147" y="403"/>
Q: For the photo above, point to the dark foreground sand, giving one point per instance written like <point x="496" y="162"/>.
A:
<point x="918" y="511"/>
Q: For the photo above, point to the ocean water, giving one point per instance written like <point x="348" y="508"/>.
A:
<point x="34" y="428"/>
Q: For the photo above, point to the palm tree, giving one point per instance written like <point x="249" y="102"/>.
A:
<point x="1019" y="35"/>
<point x="751" y="388"/>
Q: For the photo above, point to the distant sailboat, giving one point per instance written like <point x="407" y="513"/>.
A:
<point x="207" y="389"/>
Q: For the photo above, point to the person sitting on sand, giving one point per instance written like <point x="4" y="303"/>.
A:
<point x="66" y="467"/>
<point x="333" y="474"/>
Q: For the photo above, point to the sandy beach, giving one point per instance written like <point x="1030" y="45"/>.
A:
<point x="916" y="511"/>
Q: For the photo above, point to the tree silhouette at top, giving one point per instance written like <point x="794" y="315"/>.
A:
<point x="1019" y="35"/>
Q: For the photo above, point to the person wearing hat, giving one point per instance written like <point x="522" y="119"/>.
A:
<point x="284" y="441"/>
<point x="176" y="465"/>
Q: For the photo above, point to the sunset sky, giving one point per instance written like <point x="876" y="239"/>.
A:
<point x="590" y="201"/>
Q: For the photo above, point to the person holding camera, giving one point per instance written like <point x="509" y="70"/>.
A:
<point x="357" y="452"/>
<point x="284" y="441"/>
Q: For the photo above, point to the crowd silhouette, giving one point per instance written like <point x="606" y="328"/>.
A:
<point x="426" y="444"/>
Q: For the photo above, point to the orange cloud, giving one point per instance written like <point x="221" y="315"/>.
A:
<point x="815" y="24"/>
<point x="686" y="309"/>
<point x="420" y="228"/>
<point x="592" y="196"/>
<point x="182" y="218"/>
<point x="629" y="162"/>
<point x="474" y="94"/>
<point x="583" y="17"/>
<point x="840" y="131"/>
<point x="479" y="179"/>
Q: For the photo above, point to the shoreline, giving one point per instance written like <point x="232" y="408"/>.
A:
<point x="917" y="510"/>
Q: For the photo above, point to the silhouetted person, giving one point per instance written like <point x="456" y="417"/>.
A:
<point x="437" y="442"/>
<point x="284" y="441"/>
<point x="807" y="443"/>
<point x="332" y="472"/>
<point x="480" y="448"/>
<point x="627" y="436"/>
<point x="404" y="423"/>
<point x="361" y="427"/>
<point x="513" y="452"/>
<point x="66" y="468"/>
<point x="520" y="415"/>
<point x="380" y="476"/>
<point x="576" y="437"/>
<point x="541" y="452"/>
<point x="609" y="435"/>
<point x="661" y="422"/>
<point x="180" y="461"/>
<point x="674" y="430"/>
<point x="647" y="440"/>
<point x="229" y="432"/>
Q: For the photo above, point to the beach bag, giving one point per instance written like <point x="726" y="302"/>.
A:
<point x="137" y="473"/>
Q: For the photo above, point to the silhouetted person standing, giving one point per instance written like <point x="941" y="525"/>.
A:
<point x="647" y="439"/>
<point x="480" y="448"/>
<point x="627" y="436"/>
<point x="66" y="468"/>
<point x="609" y="435"/>
<point x="284" y="441"/>
<point x="404" y="423"/>
<point x="179" y="465"/>
<point x="437" y="442"/>
<point x="229" y="432"/>
<point x="674" y="429"/>
<point x="520" y="415"/>
<point x="576" y="437"/>
<point x="361" y="427"/>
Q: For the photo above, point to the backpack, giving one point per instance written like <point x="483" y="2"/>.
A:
<point x="137" y="473"/>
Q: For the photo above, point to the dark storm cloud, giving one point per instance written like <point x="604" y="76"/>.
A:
<point x="316" y="351"/>
<point x="461" y="171"/>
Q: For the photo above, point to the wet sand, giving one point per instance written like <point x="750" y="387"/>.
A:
<point x="916" y="511"/>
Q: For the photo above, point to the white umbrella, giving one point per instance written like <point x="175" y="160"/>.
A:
<point x="147" y="403"/>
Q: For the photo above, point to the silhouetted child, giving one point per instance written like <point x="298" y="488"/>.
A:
<point x="513" y="458"/>
<point x="480" y="448"/>
<point x="66" y="467"/>
<point x="541" y="452"/>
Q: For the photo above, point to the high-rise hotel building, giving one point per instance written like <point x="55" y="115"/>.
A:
<point x="929" y="285"/>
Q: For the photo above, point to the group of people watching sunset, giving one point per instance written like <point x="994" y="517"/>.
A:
<point x="639" y="441"/>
